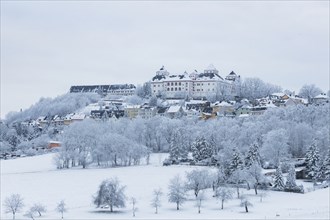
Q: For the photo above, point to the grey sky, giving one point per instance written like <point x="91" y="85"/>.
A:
<point x="48" y="46"/>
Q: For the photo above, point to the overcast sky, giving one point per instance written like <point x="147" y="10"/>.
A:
<point x="48" y="46"/>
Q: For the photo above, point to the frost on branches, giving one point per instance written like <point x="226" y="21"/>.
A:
<point x="201" y="149"/>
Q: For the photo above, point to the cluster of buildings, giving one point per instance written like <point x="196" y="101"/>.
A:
<point x="177" y="89"/>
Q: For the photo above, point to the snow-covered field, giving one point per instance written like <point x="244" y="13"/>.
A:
<point x="37" y="180"/>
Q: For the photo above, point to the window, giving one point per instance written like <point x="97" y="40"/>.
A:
<point x="171" y="84"/>
<point x="176" y="84"/>
<point x="176" y="89"/>
<point x="168" y="89"/>
<point x="154" y="85"/>
<point x="179" y="83"/>
<point x="171" y="89"/>
<point x="168" y="83"/>
<point x="158" y="85"/>
<point x="179" y="88"/>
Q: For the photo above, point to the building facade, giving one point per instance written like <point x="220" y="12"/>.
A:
<point x="194" y="85"/>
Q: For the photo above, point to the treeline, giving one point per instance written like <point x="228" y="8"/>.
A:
<point x="60" y="105"/>
<point x="280" y="134"/>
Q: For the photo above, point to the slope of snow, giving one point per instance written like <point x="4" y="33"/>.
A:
<point x="37" y="180"/>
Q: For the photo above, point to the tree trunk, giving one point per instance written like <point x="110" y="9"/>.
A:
<point x="237" y="192"/>
<point x="13" y="215"/>
<point x="246" y="208"/>
<point x="156" y="209"/>
<point x="177" y="206"/>
<point x="199" y="209"/>
<point x="111" y="208"/>
<point x="256" y="189"/>
<point x="39" y="213"/>
<point x="222" y="203"/>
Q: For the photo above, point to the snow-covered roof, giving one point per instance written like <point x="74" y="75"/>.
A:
<point x="279" y="94"/>
<point x="78" y="117"/>
<point x="243" y="115"/>
<point x="321" y="96"/>
<point x="173" y="109"/>
<point x="223" y="103"/>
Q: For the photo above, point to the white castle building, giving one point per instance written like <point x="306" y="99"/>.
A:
<point x="194" y="85"/>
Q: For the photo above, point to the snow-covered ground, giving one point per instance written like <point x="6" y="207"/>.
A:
<point x="37" y="180"/>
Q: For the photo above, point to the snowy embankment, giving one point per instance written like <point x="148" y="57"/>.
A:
<point x="37" y="180"/>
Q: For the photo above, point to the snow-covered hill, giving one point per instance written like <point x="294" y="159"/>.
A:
<point x="37" y="180"/>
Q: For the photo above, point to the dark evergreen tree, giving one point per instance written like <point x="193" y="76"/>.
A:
<point x="236" y="162"/>
<point x="312" y="160"/>
<point x="253" y="155"/>
<point x="174" y="149"/>
<point x="278" y="181"/>
<point x="326" y="166"/>
<point x="201" y="149"/>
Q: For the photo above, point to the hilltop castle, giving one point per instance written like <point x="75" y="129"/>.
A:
<point x="194" y="85"/>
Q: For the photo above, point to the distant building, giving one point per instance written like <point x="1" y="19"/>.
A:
<point x="194" y="85"/>
<point x="116" y="89"/>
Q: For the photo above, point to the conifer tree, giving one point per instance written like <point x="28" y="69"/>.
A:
<point x="174" y="150"/>
<point x="278" y="182"/>
<point x="253" y="155"/>
<point x="326" y="166"/>
<point x="201" y="149"/>
<point x="312" y="160"/>
<point x="291" y="179"/>
<point x="236" y="162"/>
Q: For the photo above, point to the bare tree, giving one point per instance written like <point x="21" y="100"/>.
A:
<point x="30" y="214"/>
<point x="177" y="192"/>
<point x="61" y="207"/>
<point x="223" y="194"/>
<point x="198" y="180"/>
<point x="134" y="208"/>
<point x="156" y="202"/>
<point x="309" y="91"/>
<point x="245" y="202"/>
<point x="199" y="199"/>
<point x="110" y="193"/>
<point x="39" y="208"/>
<point x="13" y="204"/>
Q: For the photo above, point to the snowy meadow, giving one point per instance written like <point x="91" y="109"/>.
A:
<point x="37" y="180"/>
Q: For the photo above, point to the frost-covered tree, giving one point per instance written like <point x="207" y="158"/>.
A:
<point x="237" y="177"/>
<point x="38" y="208"/>
<point x="245" y="202"/>
<point x="13" y="204"/>
<point x="236" y="162"/>
<point x="223" y="194"/>
<point x="156" y="200"/>
<point x="253" y="88"/>
<point x="30" y="214"/>
<point x="312" y="160"/>
<point x="198" y="180"/>
<point x="134" y="208"/>
<point x="309" y="91"/>
<point x="291" y="179"/>
<point x="278" y="179"/>
<point x="110" y="193"/>
<point x="199" y="199"/>
<point x="253" y="155"/>
<point x="326" y="166"/>
<point x="201" y="149"/>
<point x="275" y="147"/>
<point x="61" y="208"/>
<point x="255" y="176"/>
<point x="177" y="191"/>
